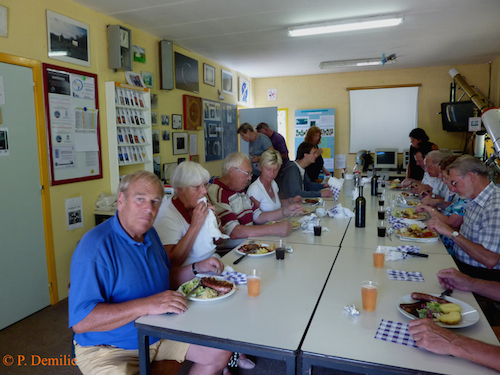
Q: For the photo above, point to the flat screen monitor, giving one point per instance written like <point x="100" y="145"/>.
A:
<point x="386" y="158"/>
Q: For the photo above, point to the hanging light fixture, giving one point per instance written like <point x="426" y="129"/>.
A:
<point x="359" y="62"/>
<point x="345" y="25"/>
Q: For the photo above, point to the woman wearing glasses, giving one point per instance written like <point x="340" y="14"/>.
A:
<point x="180" y="221"/>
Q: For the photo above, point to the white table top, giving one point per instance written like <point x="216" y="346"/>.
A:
<point x="277" y="318"/>
<point x="334" y="333"/>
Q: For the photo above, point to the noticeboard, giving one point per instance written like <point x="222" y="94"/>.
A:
<point x="71" y="105"/>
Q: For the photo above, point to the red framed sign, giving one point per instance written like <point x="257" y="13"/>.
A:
<point x="72" y="110"/>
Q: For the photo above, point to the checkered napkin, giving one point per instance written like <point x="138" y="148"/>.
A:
<point x="395" y="332"/>
<point x="335" y="186"/>
<point x="339" y="212"/>
<point x="405" y="276"/>
<point x="231" y="275"/>
<point x="398" y="223"/>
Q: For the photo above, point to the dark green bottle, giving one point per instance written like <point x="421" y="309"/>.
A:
<point x="360" y="209"/>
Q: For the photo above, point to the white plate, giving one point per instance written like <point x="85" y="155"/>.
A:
<point x="256" y="255"/>
<point x="191" y="298"/>
<point x="470" y="315"/>
<point x="431" y="239"/>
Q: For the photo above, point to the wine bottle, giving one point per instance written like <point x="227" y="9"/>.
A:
<point x="360" y="209"/>
<point x="374" y="183"/>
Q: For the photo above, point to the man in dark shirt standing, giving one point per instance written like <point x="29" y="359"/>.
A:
<point x="277" y="140"/>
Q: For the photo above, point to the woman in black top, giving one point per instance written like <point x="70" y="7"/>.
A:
<point x="313" y="136"/>
<point x="419" y="142"/>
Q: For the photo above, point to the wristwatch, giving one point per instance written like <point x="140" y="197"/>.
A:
<point x="194" y="269"/>
<point x="455" y="234"/>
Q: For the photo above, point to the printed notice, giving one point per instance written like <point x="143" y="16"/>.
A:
<point x="74" y="213"/>
<point x="4" y="142"/>
<point x="63" y="157"/>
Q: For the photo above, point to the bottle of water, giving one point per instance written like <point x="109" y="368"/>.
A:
<point x="348" y="182"/>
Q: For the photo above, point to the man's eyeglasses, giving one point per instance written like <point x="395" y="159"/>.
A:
<point x="249" y="174"/>
<point x="198" y="187"/>
<point x="454" y="183"/>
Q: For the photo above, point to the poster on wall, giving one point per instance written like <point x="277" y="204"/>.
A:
<point x="324" y="119"/>
<point x="71" y="101"/>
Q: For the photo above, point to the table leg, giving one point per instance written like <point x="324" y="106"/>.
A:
<point x="144" y="361"/>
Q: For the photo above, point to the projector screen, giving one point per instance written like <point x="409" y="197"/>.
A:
<point x="382" y="117"/>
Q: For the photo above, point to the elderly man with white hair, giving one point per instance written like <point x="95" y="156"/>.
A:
<point x="477" y="244"/>
<point x="236" y="210"/>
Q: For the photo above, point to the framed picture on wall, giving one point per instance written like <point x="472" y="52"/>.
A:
<point x="243" y="90"/>
<point x="180" y="143"/>
<point x="68" y="39"/>
<point x="208" y="75"/>
<point x="147" y="78"/>
<point x="176" y="121"/>
<point x="227" y="82"/>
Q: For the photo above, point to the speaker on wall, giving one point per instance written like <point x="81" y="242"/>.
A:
<point x="166" y="65"/>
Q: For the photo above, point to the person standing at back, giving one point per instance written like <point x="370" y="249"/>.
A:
<point x="419" y="142"/>
<point x="257" y="144"/>
<point x="313" y="136"/>
<point x="277" y="140"/>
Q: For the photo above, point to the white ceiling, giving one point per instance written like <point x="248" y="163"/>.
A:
<point x="250" y="36"/>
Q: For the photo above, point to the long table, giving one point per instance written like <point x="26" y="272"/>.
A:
<point x="338" y="340"/>
<point x="302" y="300"/>
<point x="271" y="325"/>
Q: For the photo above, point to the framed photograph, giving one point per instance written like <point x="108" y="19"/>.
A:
<point x="139" y="54"/>
<point x="243" y="90"/>
<point x="154" y="101"/>
<point x="165" y="135"/>
<point x="165" y="120"/>
<point x="154" y="118"/>
<point x="156" y="141"/>
<point x="227" y="82"/>
<point x="134" y="79"/>
<point x="180" y="160"/>
<point x="176" y="121"/>
<point x="147" y="78"/>
<point x="208" y="75"/>
<point x="186" y="73"/>
<point x="195" y="158"/>
<point x="180" y="143"/>
<point x="68" y="39"/>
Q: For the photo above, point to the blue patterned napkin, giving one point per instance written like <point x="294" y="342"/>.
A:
<point x="395" y="332"/>
<point x="405" y="276"/>
<point x="335" y="186"/>
<point x="398" y="223"/>
<point x="231" y="275"/>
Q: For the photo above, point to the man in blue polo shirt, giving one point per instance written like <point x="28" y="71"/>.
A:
<point x="119" y="272"/>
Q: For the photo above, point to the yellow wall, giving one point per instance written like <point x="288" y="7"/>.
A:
<point x="329" y="91"/>
<point x="27" y="37"/>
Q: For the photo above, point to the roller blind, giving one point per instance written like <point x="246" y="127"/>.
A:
<point x="382" y="117"/>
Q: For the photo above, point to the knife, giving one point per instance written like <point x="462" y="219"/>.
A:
<point x="447" y="292"/>
<point x="241" y="257"/>
<point x="193" y="290"/>
<point x="417" y="254"/>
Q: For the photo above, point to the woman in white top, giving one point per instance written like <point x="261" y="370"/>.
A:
<point x="264" y="190"/>
<point x="180" y="222"/>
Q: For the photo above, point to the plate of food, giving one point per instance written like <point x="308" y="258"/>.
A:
<point x="416" y="234"/>
<point x="447" y="312"/>
<point x="409" y="204"/>
<point x="409" y="213"/>
<point x="409" y="195"/>
<point x="295" y="224"/>
<point x="209" y="289"/>
<point x="307" y="211"/>
<point x="256" y="249"/>
<point x="312" y="201"/>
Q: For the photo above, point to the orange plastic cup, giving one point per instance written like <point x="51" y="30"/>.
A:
<point x="378" y="259"/>
<point x="369" y="291"/>
<point x="253" y="283"/>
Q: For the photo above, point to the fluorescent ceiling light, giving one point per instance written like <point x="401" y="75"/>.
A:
<point x="346" y="25"/>
<point x="360" y="62"/>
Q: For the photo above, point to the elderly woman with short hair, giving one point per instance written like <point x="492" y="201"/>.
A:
<point x="180" y="220"/>
<point x="264" y="190"/>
